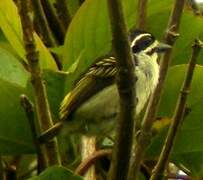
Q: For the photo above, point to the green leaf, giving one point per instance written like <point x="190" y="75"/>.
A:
<point x="11" y="26"/>
<point x="45" y="57"/>
<point x="56" y="173"/>
<point x="12" y="29"/>
<point x="11" y="69"/>
<point x="73" y="6"/>
<point x="189" y="141"/>
<point x="15" y="134"/>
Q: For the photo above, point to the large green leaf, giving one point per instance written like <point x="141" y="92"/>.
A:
<point x="189" y="141"/>
<point x="11" y="69"/>
<point x="73" y="6"/>
<point x="10" y="24"/>
<point x="56" y="173"/>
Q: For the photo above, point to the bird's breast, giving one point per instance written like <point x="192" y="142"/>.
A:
<point x="147" y="73"/>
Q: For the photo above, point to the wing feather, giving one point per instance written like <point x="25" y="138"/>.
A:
<point x="99" y="75"/>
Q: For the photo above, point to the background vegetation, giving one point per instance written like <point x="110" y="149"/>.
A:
<point x="73" y="45"/>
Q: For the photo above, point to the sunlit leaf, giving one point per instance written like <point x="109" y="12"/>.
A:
<point x="11" y="26"/>
<point x="46" y="59"/>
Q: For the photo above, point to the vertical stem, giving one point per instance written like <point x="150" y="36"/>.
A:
<point x="125" y="83"/>
<point x="178" y="116"/>
<point x="142" y="14"/>
<point x="56" y="26"/>
<point x="42" y="106"/>
<point x="1" y="169"/>
<point x="28" y="108"/>
<point x="88" y="148"/>
<point x="144" y="137"/>
<point x="42" y="24"/>
<point x="81" y="1"/>
<point x="63" y="13"/>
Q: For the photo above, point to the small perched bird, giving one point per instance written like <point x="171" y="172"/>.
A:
<point x="92" y="106"/>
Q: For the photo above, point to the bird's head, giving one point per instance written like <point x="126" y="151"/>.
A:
<point x="145" y="42"/>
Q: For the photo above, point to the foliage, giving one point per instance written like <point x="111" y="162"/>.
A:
<point x="87" y="38"/>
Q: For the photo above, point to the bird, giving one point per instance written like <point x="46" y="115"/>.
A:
<point x="92" y="106"/>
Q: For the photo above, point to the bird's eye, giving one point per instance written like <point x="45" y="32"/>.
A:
<point x="142" y="44"/>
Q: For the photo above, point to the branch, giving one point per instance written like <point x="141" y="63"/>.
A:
<point x="50" y="133"/>
<point x="42" y="24"/>
<point x="141" y="14"/>
<point x="125" y="83"/>
<point x="89" y="161"/>
<point x="1" y="169"/>
<point x="28" y="108"/>
<point x="41" y="101"/>
<point x="178" y="116"/>
<point x="56" y="26"/>
<point x="63" y="13"/>
<point x="144" y="136"/>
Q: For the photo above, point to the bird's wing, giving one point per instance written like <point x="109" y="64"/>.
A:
<point x="99" y="75"/>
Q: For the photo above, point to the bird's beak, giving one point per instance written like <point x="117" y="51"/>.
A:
<point x="162" y="47"/>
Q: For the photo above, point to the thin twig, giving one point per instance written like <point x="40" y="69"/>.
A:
<point x="141" y="14"/>
<point x="1" y="169"/>
<point x="144" y="135"/>
<point x="56" y="26"/>
<point x="42" y="24"/>
<point x="28" y="108"/>
<point x="42" y="27"/>
<point x="86" y="163"/>
<point x="50" y="133"/>
<point x="41" y="101"/>
<point x="178" y="116"/>
<point x="63" y="13"/>
<point x="125" y="83"/>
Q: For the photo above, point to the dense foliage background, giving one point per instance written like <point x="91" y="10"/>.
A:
<point x="88" y="37"/>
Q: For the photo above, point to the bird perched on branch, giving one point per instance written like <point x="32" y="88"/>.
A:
<point x="92" y="106"/>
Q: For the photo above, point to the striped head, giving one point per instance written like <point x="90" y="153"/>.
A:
<point x="144" y="42"/>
